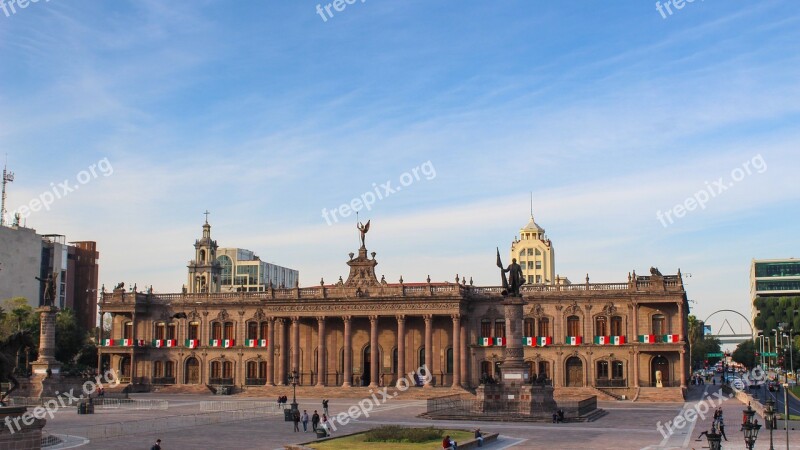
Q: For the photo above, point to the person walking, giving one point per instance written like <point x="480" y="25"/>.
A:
<point x="325" y="407"/>
<point x="315" y="421"/>
<point x="304" y="419"/>
<point x="326" y="425"/>
<point x="296" y="420"/>
<point x="157" y="445"/>
<point x="722" y="428"/>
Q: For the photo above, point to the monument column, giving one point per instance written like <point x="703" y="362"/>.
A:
<point x="401" y="348"/>
<point x="374" y="355"/>
<point x="321" y="352"/>
<point x="348" y="352"/>
<point x="282" y="351"/>
<point x="428" y="350"/>
<point x="456" y="351"/>
<point x="296" y="345"/>
<point x="47" y="343"/>
<point x="270" y="351"/>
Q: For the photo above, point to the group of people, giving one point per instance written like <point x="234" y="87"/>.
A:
<point x="558" y="416"/>
<point x="450" y="444"/>
<point x="282" y="401"/>
<point x="718" y="426"/>
<point x="317" y="422"/>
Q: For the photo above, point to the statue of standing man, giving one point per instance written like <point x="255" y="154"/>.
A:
<point x="515" y="276"/>
<point x="49" y="289"/>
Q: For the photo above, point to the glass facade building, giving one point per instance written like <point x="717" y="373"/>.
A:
<point x="242" y="270"/>
<point x="772" y="279"/>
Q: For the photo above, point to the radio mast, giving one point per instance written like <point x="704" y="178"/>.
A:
<point x="8" y="177"/>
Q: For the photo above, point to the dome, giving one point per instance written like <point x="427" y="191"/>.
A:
<point x="533" y="226"/>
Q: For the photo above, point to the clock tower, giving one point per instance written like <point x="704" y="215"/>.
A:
<point x="204" y="269"/>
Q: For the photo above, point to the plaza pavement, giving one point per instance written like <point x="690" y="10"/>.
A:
<point x="626" y="426"/>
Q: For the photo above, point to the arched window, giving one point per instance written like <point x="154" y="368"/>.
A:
<point x="616" y="326"/>
<point x="229" y="330"/>
<point x="529" y="328"/>
<point x="169" y="370"/>
<point x="127" y="330"/>
<point x="573" y="326"/>
<point x="264" y="331"/>
<point x="499" y="328"/>
<point x="602" y="370"/>
<point x="659" y="324"/>
<point x="252" y="370"/>
<point x="160" y="331"/>
<point x="486" y="328"/>
<point x="544" y="326"/>
<point x="617" y="370"/>
<point x="216" y="370"/>
<point x="158" y="369"/>
<point x="227" y="370"/>
<point x="252" y="330"/>
<point x="194" y="330"/>
<point x="202" y="256"/>
<point x="600" y="326"/>
<point x="216" y="330"/>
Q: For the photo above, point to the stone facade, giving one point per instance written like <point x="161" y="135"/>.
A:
<point x="258" y="338"/>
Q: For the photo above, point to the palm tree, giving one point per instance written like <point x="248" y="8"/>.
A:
<point x="694" y="333"/>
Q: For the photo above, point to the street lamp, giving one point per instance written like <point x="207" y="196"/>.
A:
<point x="786" y="411"/>
<point x="714" y="439"/>
<point x="769" y="416"/>
<point x="295" y="377"/>
<point x="750" y="428"/>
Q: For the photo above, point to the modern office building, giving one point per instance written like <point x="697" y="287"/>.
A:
<point x="243" y="271"/>
<point x="772" y="278"/>
<point x="26" y="255"/>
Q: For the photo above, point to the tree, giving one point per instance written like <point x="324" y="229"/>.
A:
<point x="745" y="353"/>
<point x="70" y="338"/>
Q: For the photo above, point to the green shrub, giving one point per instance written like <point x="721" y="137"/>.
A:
<point x="395" y="433"/>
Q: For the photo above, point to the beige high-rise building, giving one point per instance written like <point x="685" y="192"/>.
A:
<point x="534" y="252"/>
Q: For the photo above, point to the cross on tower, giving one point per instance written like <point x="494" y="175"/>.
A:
<point x="206" y="213"/>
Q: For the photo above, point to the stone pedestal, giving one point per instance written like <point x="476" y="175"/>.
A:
<point x="15" y="433"/>
<point x="46" y="369"/>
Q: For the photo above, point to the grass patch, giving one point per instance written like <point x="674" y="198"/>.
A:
<point x="360" y="442"/>
<point x="395" y="433"/>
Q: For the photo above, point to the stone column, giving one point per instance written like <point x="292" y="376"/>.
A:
<point x="428" y="350"/>
<point x="634" y="341"/>
<point x="270" y="351"/>
<point x="282" y="350"/>
<point x="456" y="351"/>
<point x="321" y="352"/>
<point x="47" y="343"/>
<point x="296" y="345"/>
<point x="374" y="354"/>
<point x="463" y="353"/>
<point x="683" y="368"/>
<point x="401" y="348"/>
<point x="513" y="366"/>
<point x="348" y="352"/>
<point x="133" y="349"/>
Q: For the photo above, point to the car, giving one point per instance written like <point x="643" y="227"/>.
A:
<point x="773" y="386"/>
<point x="737" y="383"/>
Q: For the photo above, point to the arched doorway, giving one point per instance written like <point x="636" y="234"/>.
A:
<point x="125" y="366"/>
<point x="574" y="372"/>
<point x="192" y="371"/>
<point x="659" y="363"/>
<point x="366" y="369"/>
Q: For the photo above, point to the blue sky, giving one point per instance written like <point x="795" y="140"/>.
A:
<point x="265" y="114"/>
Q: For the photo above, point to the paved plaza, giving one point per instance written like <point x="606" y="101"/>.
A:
<point x="626" y="426"/>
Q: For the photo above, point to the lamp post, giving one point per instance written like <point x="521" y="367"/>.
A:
<point x="769" y="416"/>
<point x="294" y="377"/>
<point x="714" y="439"/>
<point x="786" y="411"/>
<point x="750" y="428"/>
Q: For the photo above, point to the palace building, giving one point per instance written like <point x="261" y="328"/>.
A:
<point x="612" y="339"/>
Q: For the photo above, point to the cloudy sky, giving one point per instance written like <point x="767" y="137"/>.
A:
<point x="269" y="113"/>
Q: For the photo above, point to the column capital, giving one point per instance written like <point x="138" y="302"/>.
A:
<point x="428" y="317"/>
<point x="280" y="320"/>
<point x="456" y="317"/>
<point x="400" y="318"/>
<point x="321" y="319"/>
<point x="373" y="318"/>
<point x="295" y="319"/>
<point x="347" y="318"/>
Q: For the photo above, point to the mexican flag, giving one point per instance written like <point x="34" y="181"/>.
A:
<point x="574" y="340"/>
<point x="485" y="342"/>
<point x="192" y="343"/>
<point x="672" y="338"/>
<point x="529" y="341"/>
<point x="647" y="338"/>
<point x="171" y="342"/>
<point x="256" y="342"/>
<point x="158" y="343"/>
<point x="602" y="340"/>
<point x="500" y="341"/>
<point x="543" y="341"/>
<point x="215" y="343"/>
<point x="139" y="343"/>
<point x="127" y="342"/>
<point x="108" y="342"/>
<point x="617" y="340"/>
<point x="228" y="343"/>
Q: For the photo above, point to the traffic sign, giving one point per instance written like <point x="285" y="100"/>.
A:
<point x="768" y="354"/>
<point x="714" y="355"/>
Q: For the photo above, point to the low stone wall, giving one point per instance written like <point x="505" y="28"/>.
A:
<point x="27" y="437"/>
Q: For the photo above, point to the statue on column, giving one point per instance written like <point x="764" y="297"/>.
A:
<point x="364" y="229"/>
<point x="49" y="288"/>
<point x="515" y="278"/>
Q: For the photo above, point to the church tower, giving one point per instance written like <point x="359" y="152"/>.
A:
<point x="204" y="269"/>
<point x="534" y="253"/>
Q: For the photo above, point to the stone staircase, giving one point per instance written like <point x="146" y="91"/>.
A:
<point x="580" y="393"/>
<point x="660" y="395"/>
<point x="413" y="393"/>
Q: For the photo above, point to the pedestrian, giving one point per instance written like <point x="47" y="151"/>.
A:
<point x="722" y="428"/>
<point x="296" y="419"/>
<point x="315" y="421"/>
<point x="325" y="425"/>
<point x="304" y="418"/>
<point x="157" y="445"/>
<point x="325" y="407"/>
<point x="479" y="437"/>
<point x="280" y="401"/>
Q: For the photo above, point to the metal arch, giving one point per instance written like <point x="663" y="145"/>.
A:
<point x="746" y="320"/>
